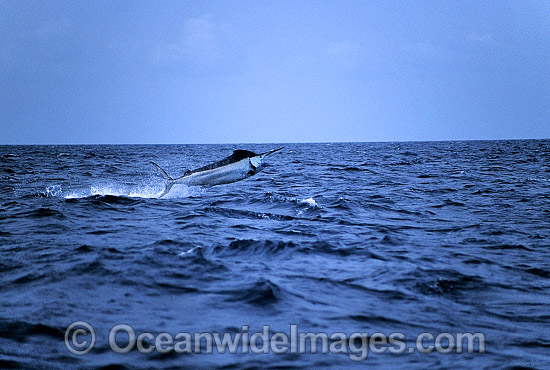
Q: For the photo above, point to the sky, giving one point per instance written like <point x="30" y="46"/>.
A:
<point x="124" y="72"/>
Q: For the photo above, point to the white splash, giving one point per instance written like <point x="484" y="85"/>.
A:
<point x="188" y="252"/>
<point x="146" y="191"/>
<point x="310" y="202"/>
<point x="53" y="191"/>
<point x="183" y="191"/>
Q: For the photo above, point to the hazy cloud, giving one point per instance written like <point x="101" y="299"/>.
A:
<point x="345" y="53"/>
<point x="428" y="52"/>
<point x="485" y="38"/>
<point x="425" y="50"/>
<point x="202" y="41"/>
<point x="344" y="49"/>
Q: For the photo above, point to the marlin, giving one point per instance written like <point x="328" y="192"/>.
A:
<point x="238" y="166"/>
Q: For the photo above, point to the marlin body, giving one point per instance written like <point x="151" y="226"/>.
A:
<point x="238" y="166"/>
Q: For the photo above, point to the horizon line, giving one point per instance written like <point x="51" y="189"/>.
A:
<point x="282" y="142"/>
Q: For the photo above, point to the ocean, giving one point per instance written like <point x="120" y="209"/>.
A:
<point x="416" y="241"/>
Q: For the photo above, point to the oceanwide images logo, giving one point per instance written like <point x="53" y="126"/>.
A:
<point x="80" y="339"/>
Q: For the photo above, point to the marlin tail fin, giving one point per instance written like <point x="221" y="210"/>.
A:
<point x="168" y="181"/>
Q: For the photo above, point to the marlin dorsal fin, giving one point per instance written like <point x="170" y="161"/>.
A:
<point x="241" y="154"/>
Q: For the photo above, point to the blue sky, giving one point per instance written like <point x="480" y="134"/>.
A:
<point x="273" y="71"/>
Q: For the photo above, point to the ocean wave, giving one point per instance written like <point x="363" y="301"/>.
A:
<point x="260" y="293"/>
<point x="446" y="242"/>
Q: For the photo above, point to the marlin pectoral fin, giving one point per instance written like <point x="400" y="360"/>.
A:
<point x="254" y="168"/>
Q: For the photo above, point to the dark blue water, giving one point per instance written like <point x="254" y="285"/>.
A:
<point x="346" y="237"/>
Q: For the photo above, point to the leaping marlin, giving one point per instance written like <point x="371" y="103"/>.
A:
<point x="238" y="166"/>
